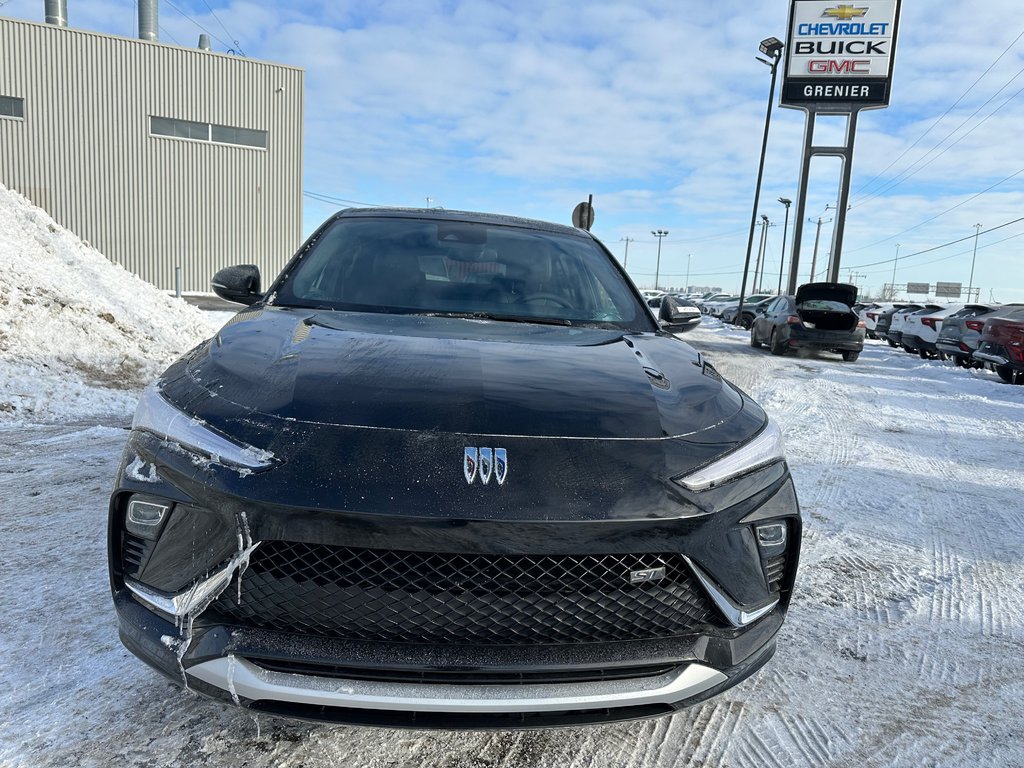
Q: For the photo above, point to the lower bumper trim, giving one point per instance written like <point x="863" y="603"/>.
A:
<point x="246" y="680"/>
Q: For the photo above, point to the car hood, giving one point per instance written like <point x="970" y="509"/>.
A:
<point x="841" y="292"/>
<point x="452" y="375"/>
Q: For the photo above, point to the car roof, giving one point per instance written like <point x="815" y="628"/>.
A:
<point x="440" y="214"/>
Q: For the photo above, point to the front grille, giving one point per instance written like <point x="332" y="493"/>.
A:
<point x="440" y="598"/>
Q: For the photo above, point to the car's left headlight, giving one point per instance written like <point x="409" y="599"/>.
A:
<point x="766" y="448"/>
<point x="154" y="414"/>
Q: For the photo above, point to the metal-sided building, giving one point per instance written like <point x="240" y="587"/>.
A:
<point x="158" y="156"/>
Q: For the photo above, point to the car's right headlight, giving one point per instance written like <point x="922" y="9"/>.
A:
<point x="766" y="448"/>
<point x="154" y="414"/>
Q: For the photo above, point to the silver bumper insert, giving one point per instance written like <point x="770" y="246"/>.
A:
<point x="988" y="357"/>
<point x="245" y="679"/>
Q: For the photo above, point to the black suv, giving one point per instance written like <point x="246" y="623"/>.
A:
<point x="449" y="470"/>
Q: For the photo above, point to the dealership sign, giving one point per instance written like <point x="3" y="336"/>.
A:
<point x="840" y="55"/>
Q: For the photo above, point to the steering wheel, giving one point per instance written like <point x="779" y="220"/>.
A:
<point x="552" y="297"/>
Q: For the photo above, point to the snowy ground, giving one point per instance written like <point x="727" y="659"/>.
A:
<point x="904" y="645"/>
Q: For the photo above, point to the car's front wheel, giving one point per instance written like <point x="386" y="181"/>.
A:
<point x="850" y="356"/>
<point x="753" y="338"/>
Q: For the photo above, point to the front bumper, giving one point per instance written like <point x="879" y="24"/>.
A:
<point x="234" y="627"/>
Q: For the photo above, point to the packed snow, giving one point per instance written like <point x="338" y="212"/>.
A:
<point x="903" y="646"/>
<point x="77" y="332"/>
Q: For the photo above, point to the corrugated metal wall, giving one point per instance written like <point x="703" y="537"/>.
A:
<point x="83" y="150"/>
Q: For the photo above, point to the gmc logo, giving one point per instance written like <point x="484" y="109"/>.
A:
<point x="845" y="67"/>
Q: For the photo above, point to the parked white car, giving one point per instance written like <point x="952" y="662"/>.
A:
<point x="899" y="321"/>
<point x="921" y="330"/>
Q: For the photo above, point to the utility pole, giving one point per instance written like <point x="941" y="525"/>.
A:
<point x="627" y="240"/>
<point x="817" y="238"/>
<point x="970" y="283"/>
<point x="760" y="252"/>
<point x="687" y="288"/>
<point x="658" y="233"/>
<point x="894" y="264"/>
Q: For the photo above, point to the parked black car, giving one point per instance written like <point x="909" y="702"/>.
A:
<point x="448" y="471"/>
<point x="819" y="317"/>
<point x="884" y="322"/>
<point x="750" y="311"/>
<point x="961" y="332"/>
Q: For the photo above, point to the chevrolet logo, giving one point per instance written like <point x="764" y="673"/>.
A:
<point x="844" y="12"/>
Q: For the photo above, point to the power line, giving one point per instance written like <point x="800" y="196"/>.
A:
<point x="238" y="46"/>
<point x="912" y="171"/>
<point x="207" y="31"/>
<point x="938" y="215"/>
<point x="339" y="200"/>
<point x="943" y="115"/>
<point x="937" y="247"/>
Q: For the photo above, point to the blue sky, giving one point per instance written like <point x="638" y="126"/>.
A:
<point x="656" y="108"/>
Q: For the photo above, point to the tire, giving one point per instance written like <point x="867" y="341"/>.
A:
<point x="923" y="355"/>
<point x="891" y="343"/>
<point x="753" y="339"/>
<point x="962" y="362"/>
<point x="747" y="322"/>
<point x="774" y="345"/>
<point x="850" y="357"/>
<point x="1007" y="374"/>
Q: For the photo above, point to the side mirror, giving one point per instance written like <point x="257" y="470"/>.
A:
<point x="668" y="314"/>
<point x="762" y="310"/>
<point x="240" y="284"/>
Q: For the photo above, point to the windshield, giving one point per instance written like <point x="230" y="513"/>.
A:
<point x="410" y="266"/>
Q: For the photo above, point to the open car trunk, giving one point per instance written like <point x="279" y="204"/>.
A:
<point x="827" y="306"/>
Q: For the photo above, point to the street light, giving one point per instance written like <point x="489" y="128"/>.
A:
<point x="658" y="233"/>
<point x="688" y="257"/>
<point x="970" y="283"/>
<point x="782" y="259"/>
<point x="772" y="48"/>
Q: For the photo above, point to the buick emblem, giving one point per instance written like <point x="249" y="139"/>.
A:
<point x="485" y="463"/>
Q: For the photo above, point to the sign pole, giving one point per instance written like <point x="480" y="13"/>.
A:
<point x="839" y="60"/>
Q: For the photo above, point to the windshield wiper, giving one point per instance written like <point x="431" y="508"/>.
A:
<point x="500" y="317"/>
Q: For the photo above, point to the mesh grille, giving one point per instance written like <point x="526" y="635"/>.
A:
<point x="423" y="597"/>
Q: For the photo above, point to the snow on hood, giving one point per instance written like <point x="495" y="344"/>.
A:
<point x="79" y="335"/>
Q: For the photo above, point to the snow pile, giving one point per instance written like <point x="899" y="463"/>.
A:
<point x="79" y="335"/>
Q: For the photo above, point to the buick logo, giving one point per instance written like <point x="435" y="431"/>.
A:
<point x="485" y="463"/>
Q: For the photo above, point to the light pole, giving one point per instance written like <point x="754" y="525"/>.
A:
<point x="658" y="233"/>
<point x="625" y="259"/>
<point x="772" y="48"/>
<point x="970" y="283"/>
<point x="782" y="259"/>
<point x="688" y="257"/>
<point x="892" y="287"/>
